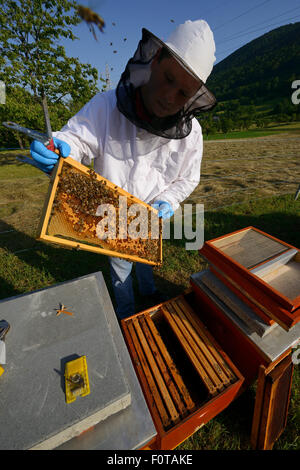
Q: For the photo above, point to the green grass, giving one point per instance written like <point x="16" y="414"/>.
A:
<point x="43" y="265"/>
<point x="293" y="127"/>
<point x="280" y="217"/>
<point x="12" y="168"/>
<point x="240" y="134"/>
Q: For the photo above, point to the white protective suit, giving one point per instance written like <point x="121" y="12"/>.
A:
<point x="147" y="166"/>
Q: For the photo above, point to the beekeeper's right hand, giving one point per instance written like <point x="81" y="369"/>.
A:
<point x="46" y="159"/>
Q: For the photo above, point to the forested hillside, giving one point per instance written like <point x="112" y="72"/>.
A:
<point x="262" y="69"/>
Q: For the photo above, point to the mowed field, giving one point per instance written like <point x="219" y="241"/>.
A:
<point x="243" y="182"/>
<point x="232" y="172"/>
<point x="235" y="170"/>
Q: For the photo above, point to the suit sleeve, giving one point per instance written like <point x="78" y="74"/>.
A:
<point x="189" y="175"/>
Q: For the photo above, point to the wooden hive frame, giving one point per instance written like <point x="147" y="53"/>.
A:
<point x="201" y="351"/>
<point x="179" y="403"/>
<point x="58" y="226"/>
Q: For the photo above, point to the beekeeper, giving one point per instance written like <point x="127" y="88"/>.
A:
<point x="143" y="136"/>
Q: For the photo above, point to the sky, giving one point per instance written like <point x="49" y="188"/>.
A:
<point x="233" y="22"/>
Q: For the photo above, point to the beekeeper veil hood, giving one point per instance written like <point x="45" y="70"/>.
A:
<point x="192" y="46"/>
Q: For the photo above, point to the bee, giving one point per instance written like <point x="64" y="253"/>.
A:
<point x="91" y="18"/>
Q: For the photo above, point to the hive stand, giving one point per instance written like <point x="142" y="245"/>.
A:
<point x="265" y="358"/>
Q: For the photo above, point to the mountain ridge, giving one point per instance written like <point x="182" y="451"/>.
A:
<point x="264" y="68"/>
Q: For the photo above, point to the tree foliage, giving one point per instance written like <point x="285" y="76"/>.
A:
<point x="253" y="85"/>
<point x="21" y="107"/>
<point x="31" y="55"/>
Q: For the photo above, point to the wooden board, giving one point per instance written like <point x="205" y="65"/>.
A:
<point x="249" y="247"/>
<point x="285" y="279"/>
<point x="243" y="345"/>
<point x="125" y="227"/>
<point x="241" y="309"/>
<point x="271" y="405"/>
<point x="236" y="288"/>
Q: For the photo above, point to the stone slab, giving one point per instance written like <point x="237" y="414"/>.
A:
<point x="39" y="343"/>
<point x="243" y="311"/>
<point x="133" y="427"/>
<point x="273" y="344"/>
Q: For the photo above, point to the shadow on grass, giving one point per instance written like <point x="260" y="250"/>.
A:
<point x="10" y="158"/>
<point x="229" y="430"/>
<point x="46" y="264"/>
<point x="277" y="216"/>
<point x="50" y="264"/>
<point x="28" y="265"/>
<point x="284" y="225"/>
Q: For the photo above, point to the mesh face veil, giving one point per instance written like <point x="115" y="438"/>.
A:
<point x="138" y="72"/>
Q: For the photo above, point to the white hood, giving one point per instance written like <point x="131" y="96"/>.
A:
<point x="194" y="43"/>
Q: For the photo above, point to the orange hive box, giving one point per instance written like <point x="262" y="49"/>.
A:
<point x="185" y="375"/>
<point x="261" y="269"/>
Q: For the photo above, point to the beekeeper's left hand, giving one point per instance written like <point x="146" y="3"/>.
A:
<point x="165" y="210"/>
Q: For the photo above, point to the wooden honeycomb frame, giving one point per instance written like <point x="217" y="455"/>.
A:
<point x="186" y="376"/>
<point x="72" y="222"/>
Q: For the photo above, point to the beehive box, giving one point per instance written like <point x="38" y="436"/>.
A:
<point x="186" y="377"/>
<point x="83" y="210"/>
<point x="263" y="270"/>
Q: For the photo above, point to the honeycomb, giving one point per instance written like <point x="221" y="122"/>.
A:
<point x="75" y="216"/>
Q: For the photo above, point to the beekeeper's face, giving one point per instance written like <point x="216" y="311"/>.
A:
<point x="169" y="88"/>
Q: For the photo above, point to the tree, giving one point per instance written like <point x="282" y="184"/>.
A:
<point x="22" y="108"/>
<point x="226" y="124"/>
<point x="246" y="123"/>
<point x="30" y="53"/>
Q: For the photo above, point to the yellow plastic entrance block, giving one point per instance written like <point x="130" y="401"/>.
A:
<point x="1" y="370"/>
<point x="76" y="379"/>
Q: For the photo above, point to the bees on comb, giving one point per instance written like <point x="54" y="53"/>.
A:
<point x="78" y="197"/>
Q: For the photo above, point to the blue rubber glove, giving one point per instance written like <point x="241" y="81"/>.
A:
<point x="46" y="159"/>
<point x="165" y="210"/>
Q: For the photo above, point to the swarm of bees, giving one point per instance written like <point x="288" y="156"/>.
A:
<point x="91" y="18"/>
<point x="77" y="199"/>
